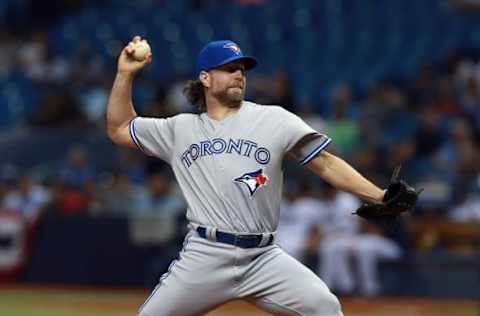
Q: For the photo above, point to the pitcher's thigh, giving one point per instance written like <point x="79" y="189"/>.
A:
<point x="178" y="300"/>
<point x="286" y="287"/>
<point x="196" y="283"/>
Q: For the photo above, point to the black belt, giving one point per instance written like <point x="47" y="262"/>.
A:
<point x="239" y="240"/>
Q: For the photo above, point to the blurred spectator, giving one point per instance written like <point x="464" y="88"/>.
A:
<point x="431" y="132"/>
<point x="119" y="195"/>
<point x="92" y="99"/>
<point x="32" y="54"/>
<point x="346" y="247"/>
<point x="458" y="151"/>
<point x="77" y="171"/>
<point x="90" y="83"/>
<point x="307" y="112"/>
<point x="175" y="98"/>
<point x="300" y="212"/>
<point x="469" y="95"/>
<point x="87" y="66"/>
<point x="131" y="163"/>
<point x="402" y="153"/>
<point x="445" y="101"/>
<point x="27" y="198"/>
<point x="343" y="105"/>
<point x="342" y="126"/>
<point x="39" y="63"/>
<point x="385" y="117"/>
<point x="423" y="85"/>
<point x="53" y="70"/>
<point x="437" y="196"/>
<point x="68" y="200"/>
<point x="160" y="107"/>
<point x="470" y="103"/>
<point x="75" y="189"/>
<point x="158" y="198"/>
<point x="273" y="89"/>
<point x="468" y="210"/>
<point x="371" y="118"/>
<point x="367" y="159"/>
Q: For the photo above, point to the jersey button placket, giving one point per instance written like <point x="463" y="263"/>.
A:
<point x="221" y="168"/>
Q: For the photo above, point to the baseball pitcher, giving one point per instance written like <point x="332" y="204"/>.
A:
<point x="228" y="163"/>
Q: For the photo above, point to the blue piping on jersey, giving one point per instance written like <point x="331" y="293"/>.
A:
<point x="312" y="155"/>
<point x="131" y="129"/>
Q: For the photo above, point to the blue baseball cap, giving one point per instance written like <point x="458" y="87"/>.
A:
<point x="219" y="53"/>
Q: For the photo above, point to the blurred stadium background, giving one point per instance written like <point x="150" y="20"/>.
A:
<point x="87" y="228"/>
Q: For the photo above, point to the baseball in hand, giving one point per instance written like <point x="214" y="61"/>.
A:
<point x="141" y="50"/>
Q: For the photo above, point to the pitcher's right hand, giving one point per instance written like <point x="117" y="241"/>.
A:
<point x="126" y="63"/>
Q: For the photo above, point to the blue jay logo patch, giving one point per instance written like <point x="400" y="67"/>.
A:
<point x="253" y="180"/>
<point x="233" y="47"/>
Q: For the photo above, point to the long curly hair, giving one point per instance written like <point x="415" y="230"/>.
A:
<point x="195" y="94"/>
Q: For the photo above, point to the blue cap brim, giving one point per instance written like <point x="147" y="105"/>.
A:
<point x="250" y="62"/>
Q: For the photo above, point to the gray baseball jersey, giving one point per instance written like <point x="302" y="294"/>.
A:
<point x="230" y="171"/>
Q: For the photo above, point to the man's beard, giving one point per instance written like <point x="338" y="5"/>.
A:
<point x="231" y="98"/>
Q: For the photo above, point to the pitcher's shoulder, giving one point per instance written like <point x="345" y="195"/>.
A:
<point x="185" y="117"/>
<point x="264" y="108"/>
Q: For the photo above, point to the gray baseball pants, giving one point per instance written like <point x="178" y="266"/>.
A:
<point x="208" y="274"/>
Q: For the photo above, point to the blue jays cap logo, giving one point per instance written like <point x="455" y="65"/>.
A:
<point x="236" y="49"/>
<point x="218" y="53"/>
<point x="253" y="180"/>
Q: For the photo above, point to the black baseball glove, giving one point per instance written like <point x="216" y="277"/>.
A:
<point x="400" y="197"/>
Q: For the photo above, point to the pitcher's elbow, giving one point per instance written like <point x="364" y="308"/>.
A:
<point x="113" y="134"/>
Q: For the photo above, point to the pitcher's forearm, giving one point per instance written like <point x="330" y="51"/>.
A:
<point x="344" y="177"/>
<point x="120" y="109"/>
